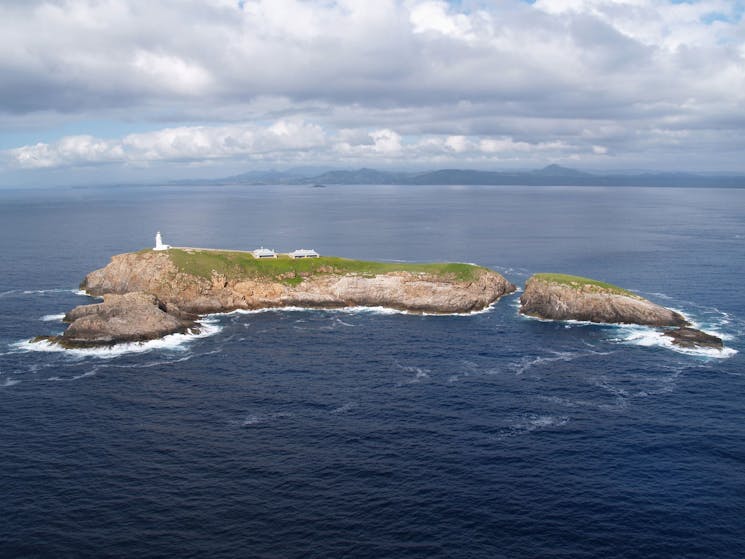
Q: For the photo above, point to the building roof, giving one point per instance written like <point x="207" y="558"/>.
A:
<point x="303" y="252"/>
<point x="264" y="252"/>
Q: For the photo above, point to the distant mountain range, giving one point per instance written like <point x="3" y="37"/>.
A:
<point x="553" y="175"/>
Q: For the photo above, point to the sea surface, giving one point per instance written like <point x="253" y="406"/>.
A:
<point x="369" y="433"/>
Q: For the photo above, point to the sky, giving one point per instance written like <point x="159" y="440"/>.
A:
<point x="126" y="90"/>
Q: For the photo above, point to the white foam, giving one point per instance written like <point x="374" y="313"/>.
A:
<point x="649" y="337"/>
<point x="420" y="374"/>
<point x="9" y="382"/>
<point x="45" y="291"/>
<point x="90" y="373"/>
<point x="345" y="408"/>
<point x="170" y="342"/>
<point x="350" y="310"/>
<point x="529" y="362"/>
<point x="52" y="317"/>
<point x="259" y="419"/>
<point x="6" y="293"/>
<point x="534" y="423"/>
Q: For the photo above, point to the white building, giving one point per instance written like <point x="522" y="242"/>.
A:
<point x="159" y="243"/>
<point x="264" y="253"/>
<point x="303" y="253"/>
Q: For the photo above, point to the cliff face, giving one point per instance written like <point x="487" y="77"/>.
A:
<point x="155" y="273"/>
<point x="131" y="317"/>
<point x="146" y="295"/>
<point x="592" y="303"/>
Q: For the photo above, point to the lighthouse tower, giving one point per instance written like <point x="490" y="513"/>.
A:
<point x="159" y="243"/>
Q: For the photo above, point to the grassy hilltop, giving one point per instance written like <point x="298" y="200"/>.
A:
<point x="236" y="265"/>
<point x="578" y="282"/>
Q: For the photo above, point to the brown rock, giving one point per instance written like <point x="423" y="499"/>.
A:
<point x="694" y="339"/>
<point x="131" y="317"/>
<point x="154" y="273"/>
<point x="558" y="301"/>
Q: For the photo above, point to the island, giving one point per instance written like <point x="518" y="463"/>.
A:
<point x="156" y="292"/>
<point x="566" y="297"/>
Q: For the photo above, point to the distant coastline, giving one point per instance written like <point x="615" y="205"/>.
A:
<point x="552" y="175"/>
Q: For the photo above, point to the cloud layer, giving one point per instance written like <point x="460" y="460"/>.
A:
<point x="646" y="83"/>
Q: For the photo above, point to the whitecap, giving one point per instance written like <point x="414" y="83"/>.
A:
<point x="419" y="374"/>
<point x="532" y="423"/>
<point x="649" y="337"/>
<point x="90" y="373"/>
<point x="529" y="362"/>
<point x="9" y="382"/>
<point x="259" y="419"/>
<point x="52" y="317"/>
<point x="378" y="310"/>
<point x="170" y="342"/>
<point x="6" y="293"/>
<point x="344" y="408"/>
<point x="45" y="291"/>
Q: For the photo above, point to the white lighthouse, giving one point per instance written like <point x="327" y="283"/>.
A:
<point x="159" y="243"/>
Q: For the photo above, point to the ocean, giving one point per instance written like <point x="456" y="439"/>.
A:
<point x="368" y="433"/>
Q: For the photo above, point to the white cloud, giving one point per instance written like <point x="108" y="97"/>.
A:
<point x="173" y="144"/>
<point x="392" y="79"/>
<point x="172" y="73"/>
<point x="435" y="17"/>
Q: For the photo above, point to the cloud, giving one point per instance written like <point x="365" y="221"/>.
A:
<point x="173" y="144"/>
<point x="284" y="140"/>
<point x="391" y="79"/>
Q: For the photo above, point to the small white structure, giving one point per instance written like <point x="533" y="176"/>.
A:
<point x="159" y="243"/>
<point x="264" y="253"/>
<point x="303" y="253"/>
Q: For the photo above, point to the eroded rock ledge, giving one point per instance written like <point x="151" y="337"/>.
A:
<point x="151" y="294"/>
<point x="564" y="297"/>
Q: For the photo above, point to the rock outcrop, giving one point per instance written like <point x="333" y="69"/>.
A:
<point x="694" y="339"/>
<point x="558" y="297"/>
<point x="156" y="273"/>
<point x="131" y="317"/>
<point x="592" y="302"/>
<point x="147" y="296"/>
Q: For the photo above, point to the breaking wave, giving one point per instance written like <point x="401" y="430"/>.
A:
<point x="649" y="337"/>
<point x="351" y="310"/>
<point x="53" y="317"/>
<point x="208" y="327"/>
<point x="531" y="423"/>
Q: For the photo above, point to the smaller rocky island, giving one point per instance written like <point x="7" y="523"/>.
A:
<point x="566" y="297"/>
<point x="152" y="293"/>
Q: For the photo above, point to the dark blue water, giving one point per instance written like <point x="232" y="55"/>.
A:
<point x="365" y="434"/>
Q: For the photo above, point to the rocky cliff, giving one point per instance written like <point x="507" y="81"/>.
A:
<point x="555" y="297"/>
<point x="148" y="294"/>
<point x="326" y="287"/>
<point x="562" y="297"/>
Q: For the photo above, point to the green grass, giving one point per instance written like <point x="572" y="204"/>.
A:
<point x="578" y="281"/>
<point x="237" y="265"/>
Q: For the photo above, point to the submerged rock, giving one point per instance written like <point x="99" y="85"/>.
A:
<point x="694" y="339"/>
<point x="561" y="297"/>
<point x="131" y="317"/>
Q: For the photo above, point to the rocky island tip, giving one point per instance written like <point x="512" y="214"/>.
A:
<point x="551" y="296"/>
<point x="152" y="293"/>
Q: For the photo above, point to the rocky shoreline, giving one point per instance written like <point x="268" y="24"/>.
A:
<point x="562" y="297"/>
<point x="151" y="294"/>
<point x="147" y="296"/>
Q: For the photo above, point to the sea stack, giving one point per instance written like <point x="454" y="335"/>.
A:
<point x="565" y="297"/>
